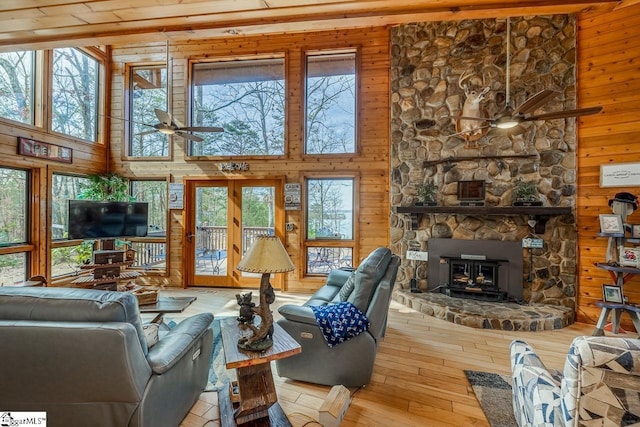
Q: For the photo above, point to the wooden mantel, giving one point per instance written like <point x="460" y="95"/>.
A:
<point x="540" y="213"/>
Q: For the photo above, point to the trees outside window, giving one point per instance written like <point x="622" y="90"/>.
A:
<point x="148" y="88"/>
<point x="330" y="104"/>
<point x="17" y="85"/>
<point x="247" y="99"/>
<point x="14" y="224"/>
<point x="155" y="194"/>
<point x="74" y="94"/>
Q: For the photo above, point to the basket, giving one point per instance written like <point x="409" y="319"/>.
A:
<point x="146" y="296"/>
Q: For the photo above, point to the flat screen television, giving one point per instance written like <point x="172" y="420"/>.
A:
<point x="99" y="220"/>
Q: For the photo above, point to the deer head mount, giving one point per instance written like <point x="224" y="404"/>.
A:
<point x="465" y="128"/>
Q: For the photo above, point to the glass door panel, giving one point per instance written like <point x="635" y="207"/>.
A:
<point x="224" y="218"/>
<point x="209" y="253"/>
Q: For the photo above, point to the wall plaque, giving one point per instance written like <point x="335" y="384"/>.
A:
<point x="620" y="175"/>
<point x="44" y="150"/>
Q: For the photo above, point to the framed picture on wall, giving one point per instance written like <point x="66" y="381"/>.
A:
<point x="611" y="224"/>
<point x="629" y="256"/>
<point x="612" y="293"/>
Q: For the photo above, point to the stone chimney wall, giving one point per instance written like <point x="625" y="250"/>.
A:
<point x="427" y="62"/>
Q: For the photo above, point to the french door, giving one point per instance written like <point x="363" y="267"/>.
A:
<point x="223" y="218"/>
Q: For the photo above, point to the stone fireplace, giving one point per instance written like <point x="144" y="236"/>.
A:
<point x="427" y="62"/>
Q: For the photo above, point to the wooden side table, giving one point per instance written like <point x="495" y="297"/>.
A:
<point x="620" y="275"/>
<point x="255" y="399"/>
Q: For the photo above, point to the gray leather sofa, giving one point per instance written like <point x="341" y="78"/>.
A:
<point x="350" y="363"/>
<point x="81" y="356"/>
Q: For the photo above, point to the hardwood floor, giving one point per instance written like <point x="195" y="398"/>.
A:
<point x="419" y="375"/>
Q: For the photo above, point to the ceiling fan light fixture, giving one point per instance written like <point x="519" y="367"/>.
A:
<point x="166" y="131"/>
<point x="507" y="123"/>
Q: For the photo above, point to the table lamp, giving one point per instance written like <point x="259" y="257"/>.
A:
<point x="266" y="256"/>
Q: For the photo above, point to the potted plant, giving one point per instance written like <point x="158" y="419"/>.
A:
<point x="525" y="193"/>
<point x="109" y="187"/>
<point x="426" y="194"/>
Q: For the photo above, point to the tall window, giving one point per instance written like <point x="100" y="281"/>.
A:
<point x="247" y="99"/>
<point x="330" y="222"/>
<point x="75" y="94"/>
<point x="148" y="87"/>
<point x="66" y="257"/>
<point x="16" y="86"/>
<point x="14" y="224"/>
<point x="152" y="253"/>
<point x="331" y="104"/>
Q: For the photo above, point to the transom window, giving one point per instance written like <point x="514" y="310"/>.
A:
<point x="17" y="86"/>
<point x="74" y="94"/>
<point x="247" y="99"/>
<point x="331" y="104"/>
<point x="148" y="88"/>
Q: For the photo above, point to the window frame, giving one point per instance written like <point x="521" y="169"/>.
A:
<point x="35" y="93"/>
<point x="32" y="211"/>
<point x="190" y="107"/>
<point x="128" y="112"/>
<point x="101" y="59"/>
<point x="356" y="50"/>
<point x="331" y="243"/>
<point x="155" y="239"/>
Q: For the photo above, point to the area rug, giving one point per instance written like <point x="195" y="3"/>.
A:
<point x="493" y="392"/>
<point x="219" y="376"/>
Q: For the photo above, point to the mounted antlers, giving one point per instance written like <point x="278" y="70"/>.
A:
<point x="470" y="130"/>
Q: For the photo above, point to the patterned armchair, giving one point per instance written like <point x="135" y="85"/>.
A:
<point x="600" y="384"/>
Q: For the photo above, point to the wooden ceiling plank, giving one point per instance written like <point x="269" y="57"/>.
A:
<point x="276" y="20"/>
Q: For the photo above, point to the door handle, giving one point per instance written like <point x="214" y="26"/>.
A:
<point x="190" y="237"/>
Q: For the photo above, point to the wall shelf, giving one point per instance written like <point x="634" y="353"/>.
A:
<point x="540" y="213"/>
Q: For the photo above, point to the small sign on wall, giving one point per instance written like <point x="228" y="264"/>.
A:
<point x="291" y="196"/>
<point x="620" y="175"/>
<point x="44" y="150"/>
<point x="176" y="195"/>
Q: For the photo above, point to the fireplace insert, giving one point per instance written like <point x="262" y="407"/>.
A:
<point x="474" y="278"/>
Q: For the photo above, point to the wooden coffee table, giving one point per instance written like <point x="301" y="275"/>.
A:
<point x="255" y="397"/>
<point x="167" y="305"/>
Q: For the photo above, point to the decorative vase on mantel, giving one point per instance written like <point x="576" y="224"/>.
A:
<point x="426" y="194"/>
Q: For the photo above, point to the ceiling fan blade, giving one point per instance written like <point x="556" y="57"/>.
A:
<point x="163" y="116"/>
<point x="190" y="136"/>
<point x="480" y="119"/>
<point x="536" y="101"/>
<point x="147" y="132"/>
<point x="467" y="131"/>
<point x="566" y="113"/>
<point x="201" y="129"/>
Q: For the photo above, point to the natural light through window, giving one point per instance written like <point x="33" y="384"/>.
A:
<point x="331" y="104"/>
<point x="247" y="99"/>
<point x="148" y="86"/>
<point x="17" y="86"/>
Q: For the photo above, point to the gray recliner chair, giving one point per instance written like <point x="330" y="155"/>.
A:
<point x="350" y="363"/>
<point x="82" y="356"/>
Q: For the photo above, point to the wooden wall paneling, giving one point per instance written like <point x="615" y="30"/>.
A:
<point x="371" y="163"/>
<point x="607" y="75"/>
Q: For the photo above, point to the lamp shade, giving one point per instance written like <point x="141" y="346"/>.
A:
<point x="266" y="255"/>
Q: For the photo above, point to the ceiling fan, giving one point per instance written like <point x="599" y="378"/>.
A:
<point x="169" y="126"/>
<point x="510" y="118"/>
